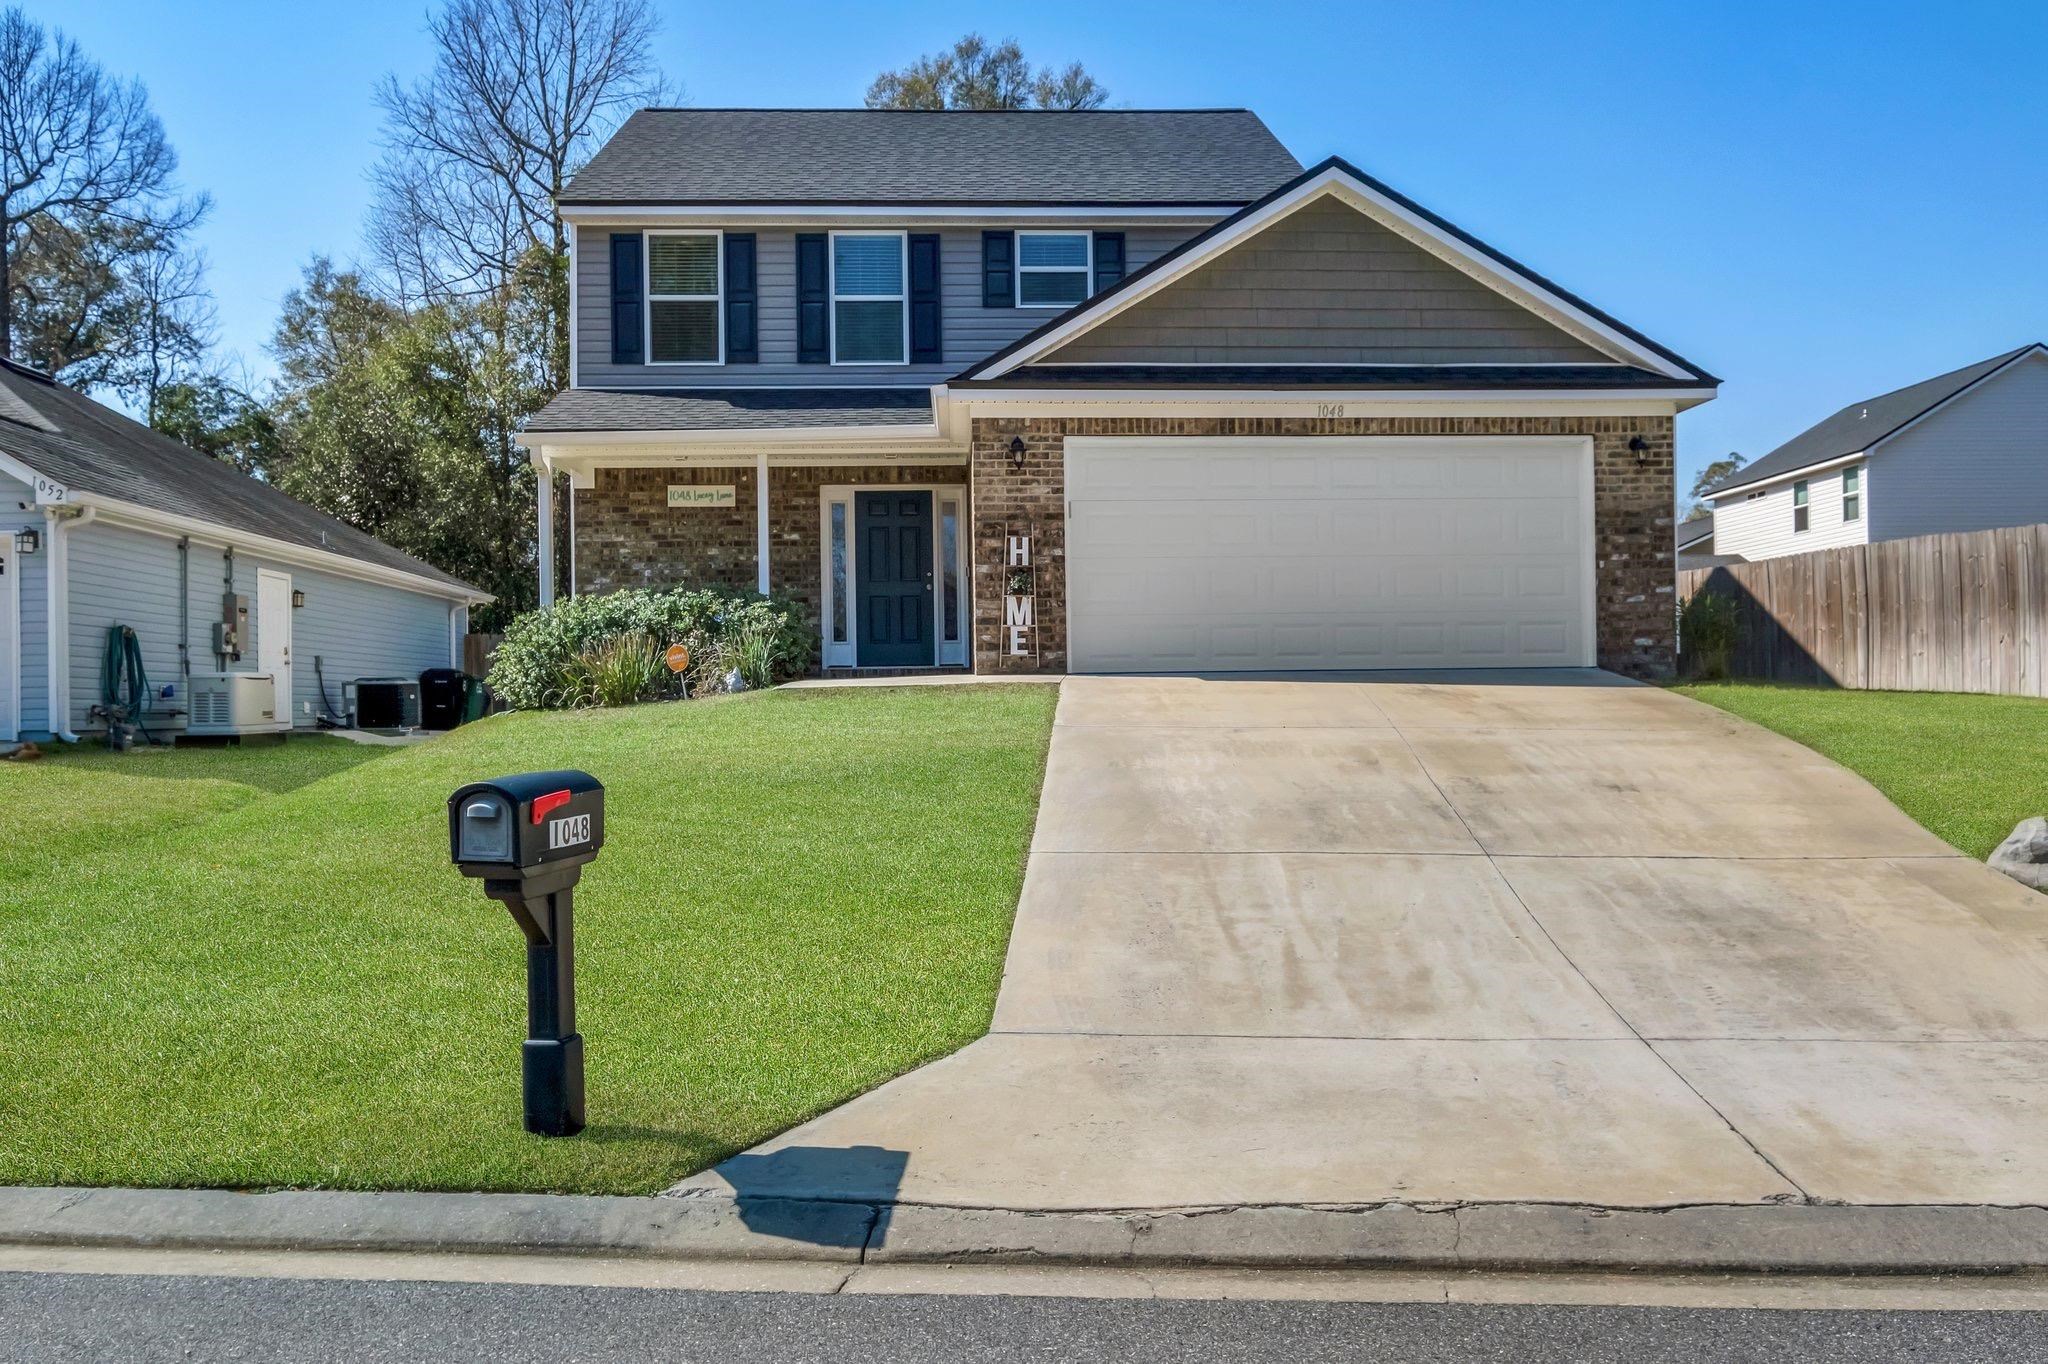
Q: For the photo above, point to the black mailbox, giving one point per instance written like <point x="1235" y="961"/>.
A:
<point x="528" y="837"/>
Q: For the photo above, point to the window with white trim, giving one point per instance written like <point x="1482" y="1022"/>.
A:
<point x="1800" y="511"/>
<point x="1054" y="269"/>
<point x="870" y="305"/>
<point x="1852" y="494"/>
<point x="685" y="322"/>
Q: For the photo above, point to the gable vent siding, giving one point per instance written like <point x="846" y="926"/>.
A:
<point x="742" y="301"/>
<point x="998" y="269"/>
<point x="927" y="343"/>
<point x="627" y="299"/>
<point x="1109" y="259"/>
<point x="813" y="299"/>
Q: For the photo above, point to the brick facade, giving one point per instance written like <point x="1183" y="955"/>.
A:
<point x="1632" y="518"/>
<point x="626" y="535"/>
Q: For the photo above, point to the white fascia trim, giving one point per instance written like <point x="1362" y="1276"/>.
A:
<point x="1207" y="402"/>
<point x="1791" y="475"/>
<point x="172" y="526"/>
<point x="596" y="214"/>
<point x="1338" y="182"/>
<point x="48" y="491"/>
<point x="791" y="436"/>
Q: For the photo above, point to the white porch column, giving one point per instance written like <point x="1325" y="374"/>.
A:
<point x="546" y="504"/>
<point x="761" y="519"/>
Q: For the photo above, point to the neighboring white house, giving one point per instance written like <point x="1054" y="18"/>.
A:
<point x="105" y="523"/>
<point x="1962" y="451"/>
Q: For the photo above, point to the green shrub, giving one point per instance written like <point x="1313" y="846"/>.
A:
<point x="542" y="662"/>
<point x="748" y="649"/>
<point x="1709" y="627"/>
<point x="621" y="671"/>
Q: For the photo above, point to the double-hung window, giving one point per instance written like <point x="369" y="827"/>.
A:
<point x="685" y="324"/>
<point x="1054" y="269"/>
<point x="870" y="314"/>
<point x="1852" y="494"/>
<point x="1799" y="507"/>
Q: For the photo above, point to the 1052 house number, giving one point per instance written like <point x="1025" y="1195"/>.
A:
<point x="1329" y="409"/>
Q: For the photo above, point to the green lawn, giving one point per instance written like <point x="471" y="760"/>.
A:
<point x="1967" y="767"/>
<point x="257" y="969"/>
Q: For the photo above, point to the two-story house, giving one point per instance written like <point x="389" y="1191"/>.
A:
<point x="1966" y="450"/>
<point x="1111" y="390"/>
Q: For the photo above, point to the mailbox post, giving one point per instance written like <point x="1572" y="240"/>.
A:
<point x="527" y="838"/>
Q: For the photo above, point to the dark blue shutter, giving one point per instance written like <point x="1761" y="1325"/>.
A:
<point x="813" y="299"/>
<point x="926" y="344"/>
<point x="742" y="301"/>
<point x="626" y="299"/>
<point x="998" y="268"/>
<point x="1109" y="259"/>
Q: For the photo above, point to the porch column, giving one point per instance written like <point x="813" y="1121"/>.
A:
<point x="761" y="519"/>
<point x="546" y="502"/>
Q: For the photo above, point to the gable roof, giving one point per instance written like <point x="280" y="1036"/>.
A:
<point x="1863" y="424"/>
<point x="90" y="448"/>
<point x="1417" y="223"/>
<point x="935" y="158"/>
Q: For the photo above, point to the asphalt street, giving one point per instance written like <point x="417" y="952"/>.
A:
<point x="97" y="1317"/>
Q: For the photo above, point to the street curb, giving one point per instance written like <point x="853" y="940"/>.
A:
<point x="1751" y="1238"/>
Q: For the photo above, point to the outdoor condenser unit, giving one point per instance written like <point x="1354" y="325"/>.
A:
<point x="231" y="704"/>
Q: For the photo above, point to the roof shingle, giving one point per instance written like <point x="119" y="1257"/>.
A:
<point x="730" y="409"/>
<point x="935" y="158"/>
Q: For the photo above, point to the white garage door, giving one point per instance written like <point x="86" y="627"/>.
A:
<point x="1226" y="554"/>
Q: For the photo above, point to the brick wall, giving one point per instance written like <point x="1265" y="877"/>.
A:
<point x="1632" y="517"/>
<point x="627" y="536"/>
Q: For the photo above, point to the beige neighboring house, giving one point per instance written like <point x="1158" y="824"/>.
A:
<point x="1963" y="451"/>
<point x="1101" y="391"/>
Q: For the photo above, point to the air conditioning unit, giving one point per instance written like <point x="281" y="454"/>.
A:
<point x="228" y="704"/>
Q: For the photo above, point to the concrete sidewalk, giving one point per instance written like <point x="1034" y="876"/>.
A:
<point x="1458" y="940"/>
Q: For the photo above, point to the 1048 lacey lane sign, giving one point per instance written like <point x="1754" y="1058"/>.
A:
<point x="702" y="495"/>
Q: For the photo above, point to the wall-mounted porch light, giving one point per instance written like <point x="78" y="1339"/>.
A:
<point x="298" y="599"/>
<point x="1640" y="448"/>
<point x="27" y="541"/>
<point x="1017" y="453"/>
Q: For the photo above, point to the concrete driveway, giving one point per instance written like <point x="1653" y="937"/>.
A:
<point x="1550" y="937"/>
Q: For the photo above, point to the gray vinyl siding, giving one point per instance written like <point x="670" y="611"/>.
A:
<point x="19" y="512"/>
<point x="1327" y="286"/>
<point x="119" y="576"/>
<point x="1979" y="463"/>
<point x="971" y="332"/>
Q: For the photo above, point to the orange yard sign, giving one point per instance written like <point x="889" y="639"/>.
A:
<point x="678" y="658"/>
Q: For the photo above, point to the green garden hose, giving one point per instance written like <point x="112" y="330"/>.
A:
<point x="124" y="686"/>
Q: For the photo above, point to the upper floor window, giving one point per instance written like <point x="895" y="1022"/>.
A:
<point x="1852" y="494"/>
<point x="870" y="319"/>
<point x="1053" y="269"/>
<point x="683" y="313"/>
<point x="1799" y="507"/>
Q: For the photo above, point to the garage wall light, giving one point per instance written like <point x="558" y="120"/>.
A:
<point x="1017" y="453"/>
<point x="1641" y="450"/>
<point x="27" y="541"/>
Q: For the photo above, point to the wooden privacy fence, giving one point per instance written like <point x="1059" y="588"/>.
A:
<point x="1964" y="612"/>
<point x="477" y="652"/>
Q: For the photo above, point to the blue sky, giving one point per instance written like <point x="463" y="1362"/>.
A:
<point x="1815" y="201"/>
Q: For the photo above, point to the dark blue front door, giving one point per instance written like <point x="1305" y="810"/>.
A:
<point x="895" y="579"/>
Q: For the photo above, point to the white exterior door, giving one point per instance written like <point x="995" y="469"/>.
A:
<point x="10" y="638"/>
<point x="274" y="637"/>
<point x="1235" y="554"/>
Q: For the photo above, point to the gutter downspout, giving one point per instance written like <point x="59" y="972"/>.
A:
<point x="57" y="589"/>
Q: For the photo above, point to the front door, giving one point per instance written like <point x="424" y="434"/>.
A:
<point x="274" y="637"/>
<point x="894" y="568"/>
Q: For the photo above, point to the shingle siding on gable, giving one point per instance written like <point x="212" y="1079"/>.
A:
<point x="1326" y="286"/>
<point x="1979" y="463"/>
<point x="970" y="331"/>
